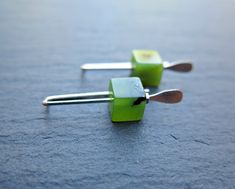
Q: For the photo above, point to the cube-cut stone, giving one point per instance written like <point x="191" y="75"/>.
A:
<point x="129" y="100"/>
<point x="148" y="66"/>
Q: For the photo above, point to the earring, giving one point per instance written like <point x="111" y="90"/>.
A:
<point x="145" y="64"/>
<point x="126" y="96"/>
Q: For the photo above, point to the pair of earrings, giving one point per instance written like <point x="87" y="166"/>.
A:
<point x="127" y="96"/>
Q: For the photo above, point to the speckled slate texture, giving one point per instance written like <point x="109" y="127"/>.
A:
<point x="188" y="145"/>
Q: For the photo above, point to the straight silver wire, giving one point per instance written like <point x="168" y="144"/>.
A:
<point x="180" y="66"/>
<point x="107" y="66"/>
<point x="111" y="66"/>
<point x="167" y="96"/>
<point x="83" y="101"/>
<point x="78" y="98"/>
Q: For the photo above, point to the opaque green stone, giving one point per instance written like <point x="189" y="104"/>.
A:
<point x="129" y="101"/>
<point x="148" y="66"/>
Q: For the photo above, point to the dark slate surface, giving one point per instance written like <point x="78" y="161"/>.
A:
<point x="42" y="45"/>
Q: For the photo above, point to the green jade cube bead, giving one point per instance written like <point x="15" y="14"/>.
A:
<point x="148" y="66"/>
<point x="129" y="100"/>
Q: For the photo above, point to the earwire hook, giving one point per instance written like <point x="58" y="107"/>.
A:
<point x="167" y="96"/>
<point x="78" y="98"/>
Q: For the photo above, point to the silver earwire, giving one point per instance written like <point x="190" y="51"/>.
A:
<point x="180" y="66"/>
<point x="167" y="96"/>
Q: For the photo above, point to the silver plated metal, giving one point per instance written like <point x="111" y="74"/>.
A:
<point x="107" y="66"/>
<point x="167" y="96"/>
<point x="180" y="66"/>
<point x="170" y="96"/>
<point x="78" y="98"/>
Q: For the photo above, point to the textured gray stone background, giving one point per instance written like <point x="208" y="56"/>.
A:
<point x="188" y="145"/>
